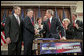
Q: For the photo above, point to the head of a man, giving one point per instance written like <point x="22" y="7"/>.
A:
<point x="30" y="13"/>
<point x="17" y="10"/>
<point x="74" y="16"/>
<point x="49" y="13"/>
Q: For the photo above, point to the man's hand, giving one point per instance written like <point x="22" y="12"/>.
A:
<point x="8" y="40"/>
<point x="63" y="38"/>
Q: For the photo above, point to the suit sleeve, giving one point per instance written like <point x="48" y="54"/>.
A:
<point x="70" y="29"/>
<point x="60" y="27"/>
<point x="80" y="29"/>
<point x="7" y="27"/>
<point x="44" y="28"/>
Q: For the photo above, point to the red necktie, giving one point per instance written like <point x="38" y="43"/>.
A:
<point x="73" y="24"/>
<point x="32" y="22"/>
<point x="49" y="24"/>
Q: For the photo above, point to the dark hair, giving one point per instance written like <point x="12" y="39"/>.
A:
<point x="79" y="22"/>
<point x="38" y="18"/>
<point x="28" y="10"/>
<point x="75" y="15"/>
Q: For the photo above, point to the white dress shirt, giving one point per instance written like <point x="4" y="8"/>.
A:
<point x="50" y="19"/>
<point x="17" y="17"/>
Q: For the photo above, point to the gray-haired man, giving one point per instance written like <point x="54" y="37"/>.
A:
<point x="28" y="32"/>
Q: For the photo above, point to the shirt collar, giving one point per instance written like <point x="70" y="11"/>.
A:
<point x="16" y="15"/>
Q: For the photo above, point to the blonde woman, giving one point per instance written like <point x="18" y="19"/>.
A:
<point x="69" y="28"/>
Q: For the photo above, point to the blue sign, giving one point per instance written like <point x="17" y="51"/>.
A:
<point x="60" y="47"/>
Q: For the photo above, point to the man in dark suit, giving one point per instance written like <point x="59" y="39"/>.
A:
<point x="52" y="26"/>
<point x="75" y="20"/>
<point x="28" y="32"/>
<point x="13" y="32"/>
<point x="78" y="27"/>
<point x="78" y="30"/>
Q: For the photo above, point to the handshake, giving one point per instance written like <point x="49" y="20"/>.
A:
<point x="36" y="31"/>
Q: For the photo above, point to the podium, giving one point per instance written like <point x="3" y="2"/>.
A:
<point x="41" y="46"/>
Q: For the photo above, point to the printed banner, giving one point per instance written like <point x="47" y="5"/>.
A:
<point x="60" y="47"/>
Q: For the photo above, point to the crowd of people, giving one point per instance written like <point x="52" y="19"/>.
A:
<point x="18" y="30"/>
<point x="73" y="31"/>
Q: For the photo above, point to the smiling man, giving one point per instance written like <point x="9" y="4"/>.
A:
<point x="13" y="31"/>
<point x="52" y="26"/>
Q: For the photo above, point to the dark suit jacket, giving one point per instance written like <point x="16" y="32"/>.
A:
<point x="70" y="32"/>
<point x="80" y="23"/>
<point x="44" y="34"/>
<point x="78" y="33"/>
<point x="13" y="29"/>
<point x="28" y="29"/>
<point x="56" y="26"/>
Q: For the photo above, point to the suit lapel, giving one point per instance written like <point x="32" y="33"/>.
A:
<point x="30" y="21"/>
<point x="47" y="24"/>
<point x="52" y="23"/>
<point x="20" y="20"/>
<point x="15" y="20"/>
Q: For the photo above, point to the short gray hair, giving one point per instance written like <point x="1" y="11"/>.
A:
<point x="15" y="7"/>
<point x="28" y="10"/>
<point x="50" y="11"/>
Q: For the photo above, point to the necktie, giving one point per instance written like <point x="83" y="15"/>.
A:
<point x="49" y="24"/>
<point x="32" y="21"/>
<point x="18" y="20"/>
<point x="73" y="24"/>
